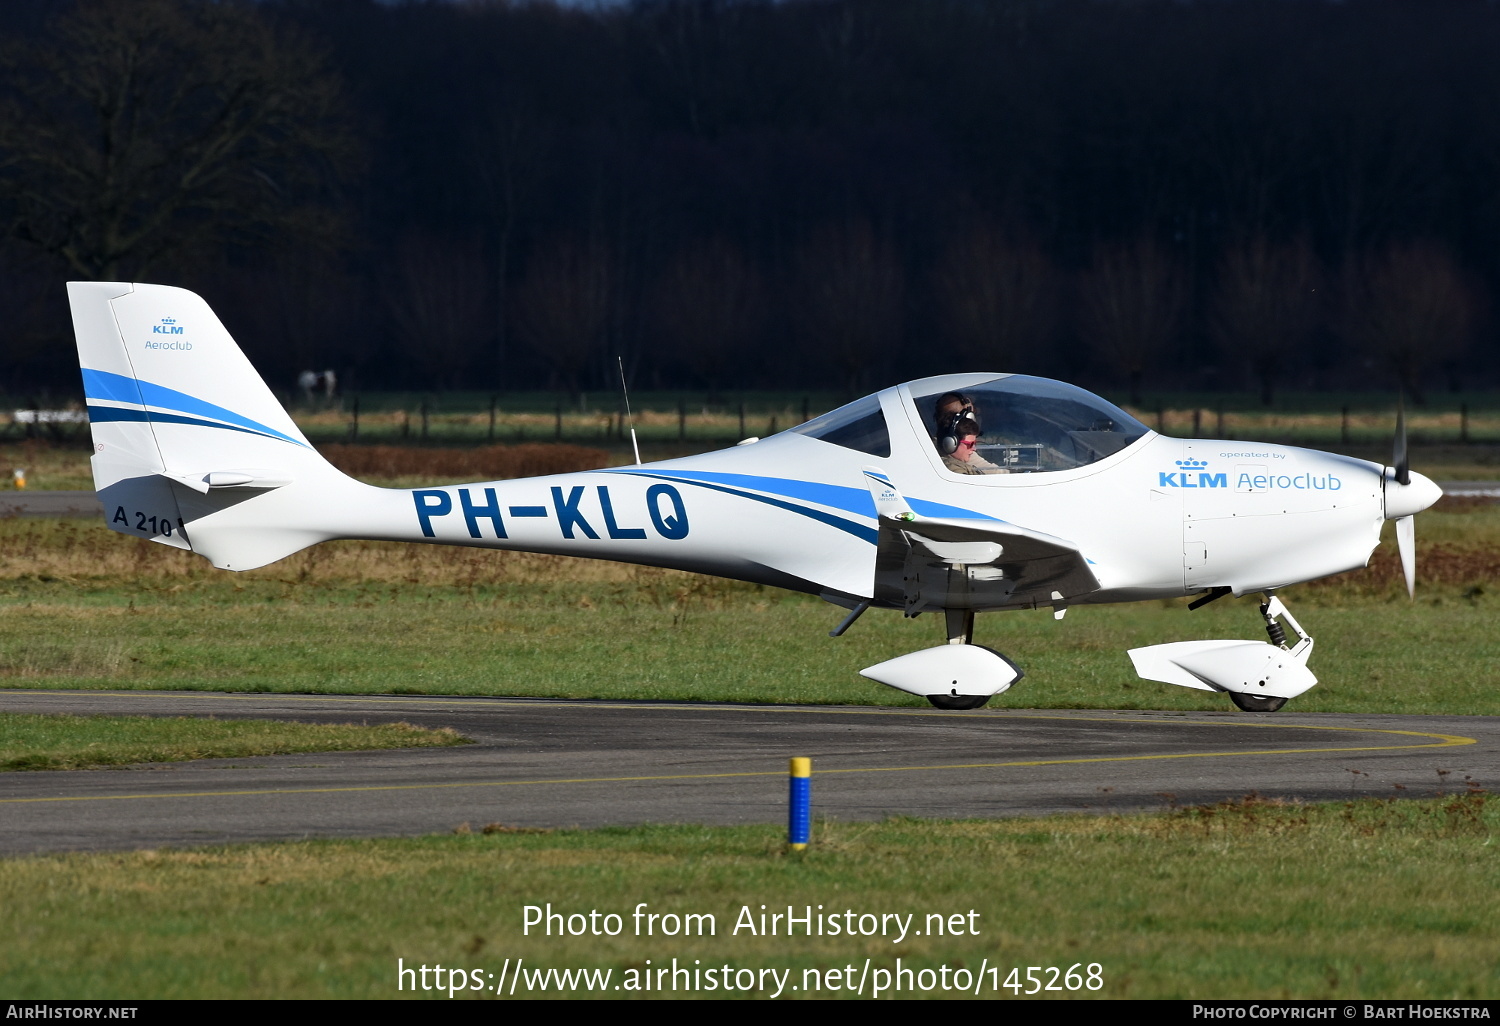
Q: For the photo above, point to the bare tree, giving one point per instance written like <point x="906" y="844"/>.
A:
<point x="295" y="312"/>
<point x="509" y="157"/>
<point x="691" y="45"/>
<point x="1266" y="306"/>
<point x="562" y="306"/>
<point x="1411" y="307"/>
<point x="440" y="301"/>
<point x="1131" y="299"/>
<point x="36" y="348"/>
<point x="998" y="297"/>
<point x="708" y="307"/>
<point x="851" y="284"/>
<point x="145" y="129"/>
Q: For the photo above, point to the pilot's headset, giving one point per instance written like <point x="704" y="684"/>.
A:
<point x="952" y="427"/>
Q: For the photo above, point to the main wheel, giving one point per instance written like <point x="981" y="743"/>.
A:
<point x="1256" y="703"/>
<point x="958" y="701"/>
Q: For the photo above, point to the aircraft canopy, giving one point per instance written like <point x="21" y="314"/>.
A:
<point x="1032" y="425"/>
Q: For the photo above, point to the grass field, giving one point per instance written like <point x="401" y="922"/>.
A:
<point x="81" y="607"/>
<point x="1252" y="899"/>
<point x="58" y="742"/>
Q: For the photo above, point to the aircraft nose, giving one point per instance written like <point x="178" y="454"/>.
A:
<point x="1402" y="500"/>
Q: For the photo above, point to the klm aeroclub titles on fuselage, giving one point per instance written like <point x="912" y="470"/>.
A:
<point x="579" y="512"/>
<point x="1247" y="477"/>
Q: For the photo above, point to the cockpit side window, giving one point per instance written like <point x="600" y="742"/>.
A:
<point x="860" y="426"/>
<point x="1020" y="424"/>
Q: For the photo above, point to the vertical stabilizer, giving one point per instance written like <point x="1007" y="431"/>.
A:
<point x="189" y="443"/>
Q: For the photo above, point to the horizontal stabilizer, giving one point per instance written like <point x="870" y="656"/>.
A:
<point x="262" y="479"/>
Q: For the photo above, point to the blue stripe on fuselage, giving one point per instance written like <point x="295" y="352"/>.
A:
<point x="850" y="500"/>
<point x="859" y="531"/>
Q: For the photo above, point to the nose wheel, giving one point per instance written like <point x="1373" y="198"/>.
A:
<point x="1258" y="677"/>
<point x="1255" y="703"/>
<point x="1270" y="609"/>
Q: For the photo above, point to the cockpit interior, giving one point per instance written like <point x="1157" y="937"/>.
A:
<point x="1012" y="424"/>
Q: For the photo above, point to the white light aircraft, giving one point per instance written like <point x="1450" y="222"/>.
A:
<point x="1081" y="503"/>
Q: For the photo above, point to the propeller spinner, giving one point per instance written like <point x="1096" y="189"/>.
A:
<point x="1406" y="495"/>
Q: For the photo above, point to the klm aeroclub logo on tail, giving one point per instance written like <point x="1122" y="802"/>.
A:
<point x="1192" y="474"/>
<point x="168" y="326"/>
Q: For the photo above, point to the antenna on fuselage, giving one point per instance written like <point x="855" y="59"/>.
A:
<point x="630" y="417"/>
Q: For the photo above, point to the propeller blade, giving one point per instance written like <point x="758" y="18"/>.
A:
<point x="1406" y="542"/>
<point x="1399" y="458"/>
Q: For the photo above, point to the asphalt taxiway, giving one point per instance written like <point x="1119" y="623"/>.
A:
<point x="561" y="764"/>
<point x="50" y="504"/>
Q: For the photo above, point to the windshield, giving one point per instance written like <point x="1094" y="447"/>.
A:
<point x="1020" y="424"/>
<point x="860" y="425"/>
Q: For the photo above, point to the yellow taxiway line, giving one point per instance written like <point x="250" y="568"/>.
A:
<point x="1435" y="741"/>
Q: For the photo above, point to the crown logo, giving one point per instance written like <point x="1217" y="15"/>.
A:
<point x="168" y="320"/>
<point x="1192" y="464"/>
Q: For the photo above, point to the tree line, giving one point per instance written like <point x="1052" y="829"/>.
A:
<point x="732" y="194"/>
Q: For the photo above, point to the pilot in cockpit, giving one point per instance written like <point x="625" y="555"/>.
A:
<point x="957" y="432"/>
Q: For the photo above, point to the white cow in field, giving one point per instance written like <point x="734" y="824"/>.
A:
<point x="314" y="384"/>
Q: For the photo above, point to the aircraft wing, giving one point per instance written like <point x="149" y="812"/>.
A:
<point x="930" y="563"/>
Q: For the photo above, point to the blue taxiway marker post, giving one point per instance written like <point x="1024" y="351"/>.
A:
<point x="799" y="812"/>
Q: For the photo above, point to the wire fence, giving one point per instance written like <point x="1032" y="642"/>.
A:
<point x="680" y="424"/>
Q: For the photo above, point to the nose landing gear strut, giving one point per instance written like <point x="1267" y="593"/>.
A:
<point x="1257" y="676"/>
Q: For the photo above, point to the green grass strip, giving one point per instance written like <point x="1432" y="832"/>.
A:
<point x="58" y="742"/>
<point x="1246" y="899"/>
<point x="81" y="607"/>
<point x="1373" y="655"/>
